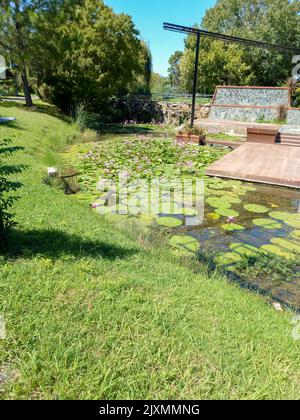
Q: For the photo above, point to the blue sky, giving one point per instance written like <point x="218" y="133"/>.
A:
<point x="149" y="15"/>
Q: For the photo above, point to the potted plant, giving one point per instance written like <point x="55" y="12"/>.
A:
<point x="188" y="134"/>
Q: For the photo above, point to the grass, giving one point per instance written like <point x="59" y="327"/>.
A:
<point x="96" y="309"/>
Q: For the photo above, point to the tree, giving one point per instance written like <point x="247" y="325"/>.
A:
<point x="7" y="186"/>
<point x="160" y="84"/>
<point x="174" y="69"/>
<point x="87" y="54"/>
<point x="15" y="33"/>
<point x="271" y="21"/>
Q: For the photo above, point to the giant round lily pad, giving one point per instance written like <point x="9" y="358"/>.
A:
<point x="280" y="215"/>
<point x="227" y="212"/>
<point x="218" y="202"/>
<point x="231" y="199"/>
<point x="296" y="234"/>
<point x="187" y="243"/>
<point x="171" y="222"/>
<point x="288" y="245"/>
<point x="256" y="208"/>
<point x="244" y="249"/>
<point x="278" y="251"/>
<point x="232" y="227"/>
<point x="294" y="221"/>
<point x="226" y="258"/>
<point x="267" y="223"/>
<point x="213" y="216"/>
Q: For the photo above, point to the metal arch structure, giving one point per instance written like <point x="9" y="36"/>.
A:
<point x="220" y="37"/>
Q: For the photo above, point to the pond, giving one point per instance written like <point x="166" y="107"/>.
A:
<point x="251" y="230"/>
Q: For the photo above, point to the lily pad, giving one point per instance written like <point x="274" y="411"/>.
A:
<point x="244" y="249"/>
<point x="294" y="221"/>
<point x="288" y="245"/>
<point x="189" y="212"/>
<point x="227" y="258"/>
<point x="296" y="234"/>
<point x="267" y="223"/>
<point x="213" y="216"/>
<point x="232" y="227"/>
<point x="231" y="199"/>
<point x="171" y="222"/>
<point x="187" y="243"/>
<point x="227" y="212"/>
<point x="256" y="208"/>
<point x="280" y="215"/>
<point x="278" y="251"/>
<point x="218" y="202"/>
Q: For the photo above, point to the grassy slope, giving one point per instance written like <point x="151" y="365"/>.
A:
<point x="94" y="311"/>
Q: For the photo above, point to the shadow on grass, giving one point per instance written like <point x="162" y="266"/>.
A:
<point x="54" y="244"/>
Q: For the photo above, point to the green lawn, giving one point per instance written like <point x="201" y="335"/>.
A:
<point x="97" y="309"/>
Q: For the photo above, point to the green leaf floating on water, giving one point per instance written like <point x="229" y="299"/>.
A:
<point x="267" y="223"/>
<point x="294" y="221"/>
<point x="189" y="212"/>
<point x="256" y="208"/>
<point x="171" y="222"/>
<point x="244" y="249"/>
<point x="286" y="244"/>
<point x="280" y="215"/>
<point x="231" y="227"/>
<point x="214" y="192"/>
<point x="218" y="202"/>
<point x="227" y="258"/>
<point x="187" y="243"/>
<point x="231" y="199"/>
<point x="278" y="251"/>
<point x="213" y="216"/>
<point x="227" y="212"/>
<point x="296" y="234"/>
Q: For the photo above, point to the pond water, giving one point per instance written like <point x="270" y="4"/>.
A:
<point x="252" y="231"/>
<point x="240" y="220"/>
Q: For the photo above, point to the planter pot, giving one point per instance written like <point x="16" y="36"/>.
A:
<point x="191" y="139"/>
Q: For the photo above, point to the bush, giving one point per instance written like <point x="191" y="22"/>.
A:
<point x="192" y="131"/>
<point x="7" y="186"/>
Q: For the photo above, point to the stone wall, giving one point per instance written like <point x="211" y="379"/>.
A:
<point x="253" y="96"/>
<point x="145" y="110"/>
<point x="251" y="104"/>
<point x="177" y="114"/>
<point x="294" y="116"/>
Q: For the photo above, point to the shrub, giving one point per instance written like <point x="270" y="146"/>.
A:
<point x="7" y="186"/>
<point x="192" y="131"/>
<point x="282" y="112"/>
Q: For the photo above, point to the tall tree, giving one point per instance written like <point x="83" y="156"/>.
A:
<point x="174" y="69"/>
<point x="15" y="32"/>
<point x="271" y="21"/>
<point x="87" y="53"/>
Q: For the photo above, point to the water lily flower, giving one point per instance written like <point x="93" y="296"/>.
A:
<point x="230" y="219"/>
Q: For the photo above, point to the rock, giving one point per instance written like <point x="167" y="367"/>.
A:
<point x="277" y="307"/>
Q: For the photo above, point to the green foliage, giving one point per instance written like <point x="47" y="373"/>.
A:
<point x="272" y="21"/>
<point x="142" y="157"/>
<point x="196" y="130"/>
<point x="7" y="186"/>
<point x="271" y="268"/>
<point x="174" y="69"/>
<point x="92" y="55"/>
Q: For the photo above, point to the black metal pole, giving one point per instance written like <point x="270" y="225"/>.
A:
<point x="195" y="80"/>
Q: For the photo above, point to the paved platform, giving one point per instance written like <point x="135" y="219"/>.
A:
<point x="265" y="163"/>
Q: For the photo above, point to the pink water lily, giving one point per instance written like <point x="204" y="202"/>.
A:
<point x="230" y="219"/>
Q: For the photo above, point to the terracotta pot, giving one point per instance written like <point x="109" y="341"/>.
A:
<point x="191" y="139"/>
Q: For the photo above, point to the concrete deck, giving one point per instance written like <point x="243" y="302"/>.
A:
<point x="264" y="163"/>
